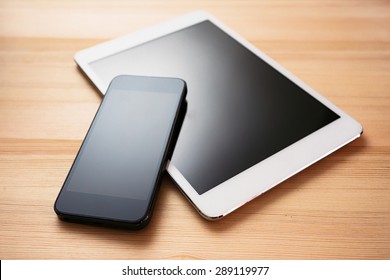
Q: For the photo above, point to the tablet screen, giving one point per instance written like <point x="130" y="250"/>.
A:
<point x="240" y="109"/>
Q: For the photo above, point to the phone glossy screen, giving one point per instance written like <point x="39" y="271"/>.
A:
<point x="240" y="109"/>
<point x="119" y="164"/>
<point x="122" y="153"/>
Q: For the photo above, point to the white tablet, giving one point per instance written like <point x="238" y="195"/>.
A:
<point x="249" y="125"/>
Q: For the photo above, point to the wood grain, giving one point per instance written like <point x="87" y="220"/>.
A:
<point x="338" y="208"/>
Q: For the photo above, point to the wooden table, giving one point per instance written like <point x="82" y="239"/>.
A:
<point x="337" y="209"/>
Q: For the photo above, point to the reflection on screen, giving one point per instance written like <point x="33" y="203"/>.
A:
<point x="122" y="153"/>
<point x="240" y="109"/>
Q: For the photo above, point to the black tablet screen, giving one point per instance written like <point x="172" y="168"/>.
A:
<point x="240" y="109"/>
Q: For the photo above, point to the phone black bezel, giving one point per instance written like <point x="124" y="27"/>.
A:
<point x="118" y="211"/>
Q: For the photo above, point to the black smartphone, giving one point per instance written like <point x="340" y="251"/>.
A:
<point x="116" y="174"/>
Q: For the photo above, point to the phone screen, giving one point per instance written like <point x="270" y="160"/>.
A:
<point x="124" y="152"/>
<point x="125" y="145"/>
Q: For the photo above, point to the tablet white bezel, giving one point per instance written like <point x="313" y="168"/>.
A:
<point x="261" y="177"/>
